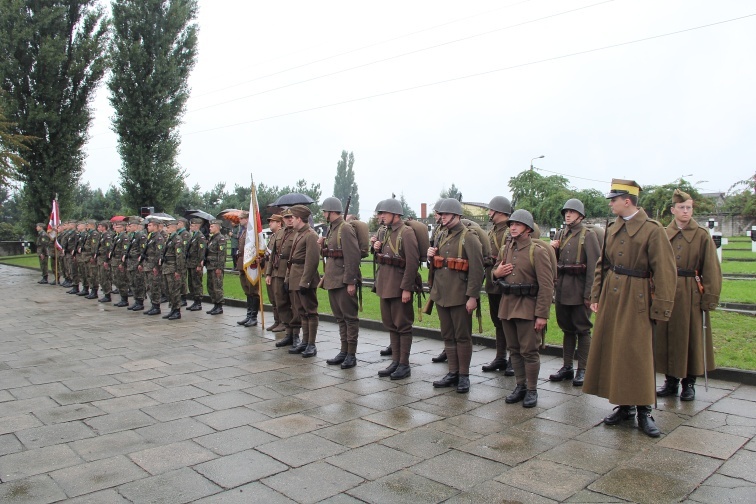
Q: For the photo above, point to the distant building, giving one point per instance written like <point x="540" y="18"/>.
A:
<point x="718" y="197"/>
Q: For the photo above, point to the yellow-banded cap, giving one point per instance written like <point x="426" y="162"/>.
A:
<point x="620" y="187"/>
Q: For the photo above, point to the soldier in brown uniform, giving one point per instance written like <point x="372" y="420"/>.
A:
<point x="302" y="279"/>
<point x="215" y="262"/>
<point x="195" y="262"/>
<point x="102" y="257"/>
<point x="526" y="278"/>
<point x="276" y="269"/>
<point x="578" y="250"/>
<point x="250" y="291"/>
<point x="275" y="223"/>
<point x="397" y="253"/>
<point x="679" y="343"/>
<point x="43" y="244"/>
<point x="499" y="210"/>
<point x="149" y="264"/>
<point x="341" y="277"/>
<point x="457" y="281"/>
<point x="626" y="302"/>
<point x="118" y="264"/>
<point x="172" y="263"/>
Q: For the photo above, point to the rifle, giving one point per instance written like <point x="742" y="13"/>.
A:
<point x="97" y="249"/>
<point x="428" y="308"/>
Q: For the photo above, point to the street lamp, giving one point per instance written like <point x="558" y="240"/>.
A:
<point x="531" y="161"/>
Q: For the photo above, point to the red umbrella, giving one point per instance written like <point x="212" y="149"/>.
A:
<point x="118" y="218"/>
<point x="230" y="214"/>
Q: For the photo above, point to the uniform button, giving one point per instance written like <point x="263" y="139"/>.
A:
<point x="622" y="242"/>
<point x="620" y="253"/>
<point x="615" y="289"/>
<point x="678" y="257"/>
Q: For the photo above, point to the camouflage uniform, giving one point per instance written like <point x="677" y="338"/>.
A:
<point x="172" y="263"/>
<point x="137" y="244"/>
<point x="195" y="257"/>
<point x="215" y="261"/>
<point x="43" y="245"/>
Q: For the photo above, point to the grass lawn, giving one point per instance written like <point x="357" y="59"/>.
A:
<point x="739" y="267"/>
<point x="738" y="254"/>
<point x="738" y="291"/>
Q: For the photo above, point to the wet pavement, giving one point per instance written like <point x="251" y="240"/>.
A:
<point x="101" y="405"/>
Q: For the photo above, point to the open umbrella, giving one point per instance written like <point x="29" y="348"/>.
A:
<point x="118" y="218"/>
<point x="230" y="214"/>
<point x="292" y="199"/>
<point x="189" y="214"/>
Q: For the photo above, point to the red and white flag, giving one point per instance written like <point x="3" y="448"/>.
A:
<point x="254" y="246"/>
<point x="53" y="223"/>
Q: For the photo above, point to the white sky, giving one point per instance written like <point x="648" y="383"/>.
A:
<point x="653" y="111"/>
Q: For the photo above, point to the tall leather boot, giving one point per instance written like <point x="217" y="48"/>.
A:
<point x="305" y="337"/>
<point x="295" y="338"/>
<point x="688" y="392"/>
<point x="646" y="422"/>
<point x="196" y="306"/>
<point x="620" y="413"/>
<point x="249" y="313"/>
<point x="252" y="311"/>
<point x="669" y="388"/>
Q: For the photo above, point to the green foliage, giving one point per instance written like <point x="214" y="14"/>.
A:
<point x="408" y="212"/>
<point x="153" y="51"/>
<point x="452" y="192"/>
<point x="12" y="145"/>
<point x="741" y="199"/>
<point x="657" y="200"/>
<point x="52" y="57"/>
<point x="94" y="204"/>
<point x="344" y="184"/>
<point x="541" y="196"/>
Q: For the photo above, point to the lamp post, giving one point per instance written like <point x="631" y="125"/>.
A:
<point x="531" y="161"/>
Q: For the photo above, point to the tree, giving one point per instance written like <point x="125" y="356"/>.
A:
<point x="408" y="212"/>
<point x="52" y="57"/>
<point x="12" y="145"/>
<point x="452" y="192"/>
<point x="542" y="196"/>
<point x="657" y="200"/>
<point x="153" y="51"/>
<point x="344" y="184"/>
<point x="741" y="198"/>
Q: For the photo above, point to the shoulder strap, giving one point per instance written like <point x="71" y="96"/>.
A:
<point x="462" y="241"/>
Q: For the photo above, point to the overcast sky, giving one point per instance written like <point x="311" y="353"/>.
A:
<point x="430" y="93"/>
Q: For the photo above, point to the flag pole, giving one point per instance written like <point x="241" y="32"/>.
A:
<point x="257" y="248"/>
<point x="55" y="241"/>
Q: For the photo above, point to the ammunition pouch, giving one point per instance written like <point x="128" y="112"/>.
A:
<point x="453" y="263"/>
<point x="438" y="262"/>
<point x="325" y="252"/>
<point x="389" y="260"/>
<point x="517" y="289"/>
<point x="686" y="273"/>
<point x="571" y="269"/>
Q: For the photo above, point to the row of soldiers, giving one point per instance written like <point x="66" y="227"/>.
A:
<point x="630" y="277"/>
<point x="138" y="256"/>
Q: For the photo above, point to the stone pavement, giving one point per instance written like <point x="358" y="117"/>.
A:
<point x="98" y="404"/>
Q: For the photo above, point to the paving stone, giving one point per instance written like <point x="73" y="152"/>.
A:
<point x="9" y="444"/>
<point x="227" y="400"/>
<point x="506" y="414"/>
<point x="54" y="434"/>
<point x="126" y="389"/>
<point x="510" y="448"/>
<point x="626" y="437"/>
<point x="373" y="461"/>
<point x="176" y="430"/>
<point x="537" y="426"/>
<point x="589" y="496"/>
<point x="703" y="442"/>
<point x="109" y="445"/>
<point x="366" y="386"/>
<point x="142" y="364"/>
<point x="240" y="468"/>
<point x="593" y="458"/>
<point x="175" y="394"/>
<point x="459" y="470"/>
<point x="93" y="476"/>
<point x="722" y="489"/>
<point x="562" y="481"/>
<point x="336" y="413"/>
<point x="109" y="496"/>
<point x="283" y="406"/>
<point x="90" y="382"/>
<point x="170" y="457"/>
<point x="32" y="391"/>
<point x="741" y="465"/>
<point x="37" y="489"/>
<point x="175" y="487"/>
<point x="81" y="396"/>
<point x="235" y="440"/>
<point x="445" y="405"/>
<point x="291" y="425"/>
<point x="300" y="450"/>
<point x="745" y="392"/>
<point x="230" y="418"/>
<point x="493" y="491"/>
<point x="313" y="482"/>
<point x="18" y="422"/>
<point x="175" y="410"/>
<point x="327" y="395"/>
<point x="254" y="493"/>
<point x="355" y="433"/>
<point x="403" y="487"/>
<point x="722" y="422"/>
<point x="382" y="401"/>
<point x="737" y="407"/>
<point x="39" y="461"/>
<point x="131" y="402"/>
<point x="15" y="408"/>
<point x="123" y="420"/>
<point x="424" y="442"/>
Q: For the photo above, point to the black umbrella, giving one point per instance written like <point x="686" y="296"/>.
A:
<point x="198" y="213"/>
<point x="292" y="199"/>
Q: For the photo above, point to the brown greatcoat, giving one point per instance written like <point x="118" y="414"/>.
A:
<point x="620" y="362"/>
<point x="574" y="290"/>
<point x="679" y="342"/>
<point x="279" y="253"/>
<point x="540" y="271"/>
<point x="453" y="287"/>
<point x="497" y="235"/>
<point x="345" y="270"/>
<point x="305" y="255"/>
<point x="390" y="281"/>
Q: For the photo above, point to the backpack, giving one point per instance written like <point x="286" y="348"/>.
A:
<point x="363" y="237"/>
<point x="485" y="242"/>
<point x="600" y="232"/>
<point x="421" y="234"/>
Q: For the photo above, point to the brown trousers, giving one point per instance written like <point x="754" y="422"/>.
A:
<point x="345" y="308"/>
<point x="456" y="330"/>
<point x="305" y="302"/>
<point x="494" y="300"/>
<point x="523" y="342"/>
<point x="575" y="322"/>
<point x="397" y="318"/>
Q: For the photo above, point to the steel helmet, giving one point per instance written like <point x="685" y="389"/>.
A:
<point x="574" y="204"/>
<point x="378" y="206"/>
<point x="523" y="217"/>
<point x="500" y="204"/>
<point x="331" y="205"/>
<point x="450" y="206"/>
<point x="391" y="205"/>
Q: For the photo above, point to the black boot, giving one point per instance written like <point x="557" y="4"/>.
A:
<point x="168" y="314"/>
<point x="196" y="306"/>
<point x="387" y="372"/>
<point x="688" y="392"/>
<point x="183" y="300"/>
<point x="163" y="299"/>
<point x="401" y="372"/>
<point x="349" y="362"/>
<point x="441" y="357"/>
<point x="295" y="340"/>
<point x="123" y="302"/>
<point x="155" y="310"/>
<point x="217" y="309"/>
<point x="579" y="378"/>
<point x="338" y="359"/>
<point x="646" y="422"/>
<point x="386" y="351"/>
<point x="531" y="399"/>
<point x="43" y="281"/>
<point x="252" y="320"/>
<point x="137" y="306"/>
<point x="464" y="384"/>
<point x="498" y="364"/>
<point x="249" y="314"/>
<point x="83" y="292"/>
<point x="620" y="413"/>
<point x="74" y="290"/>
<point x="105" y="299"/>
<point x="285" y="342"/>
<point x="517" y="395"/>
<point x="510" y="370"/>
<point x="176" y="315"/>
<point x="669" y="388"/>
<point x="310" y="351"/>
<point x="299" y="348"/>
<point x="92" y="293"/>
<point x="447" y="381"/>
<point x="564" y="373"/>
